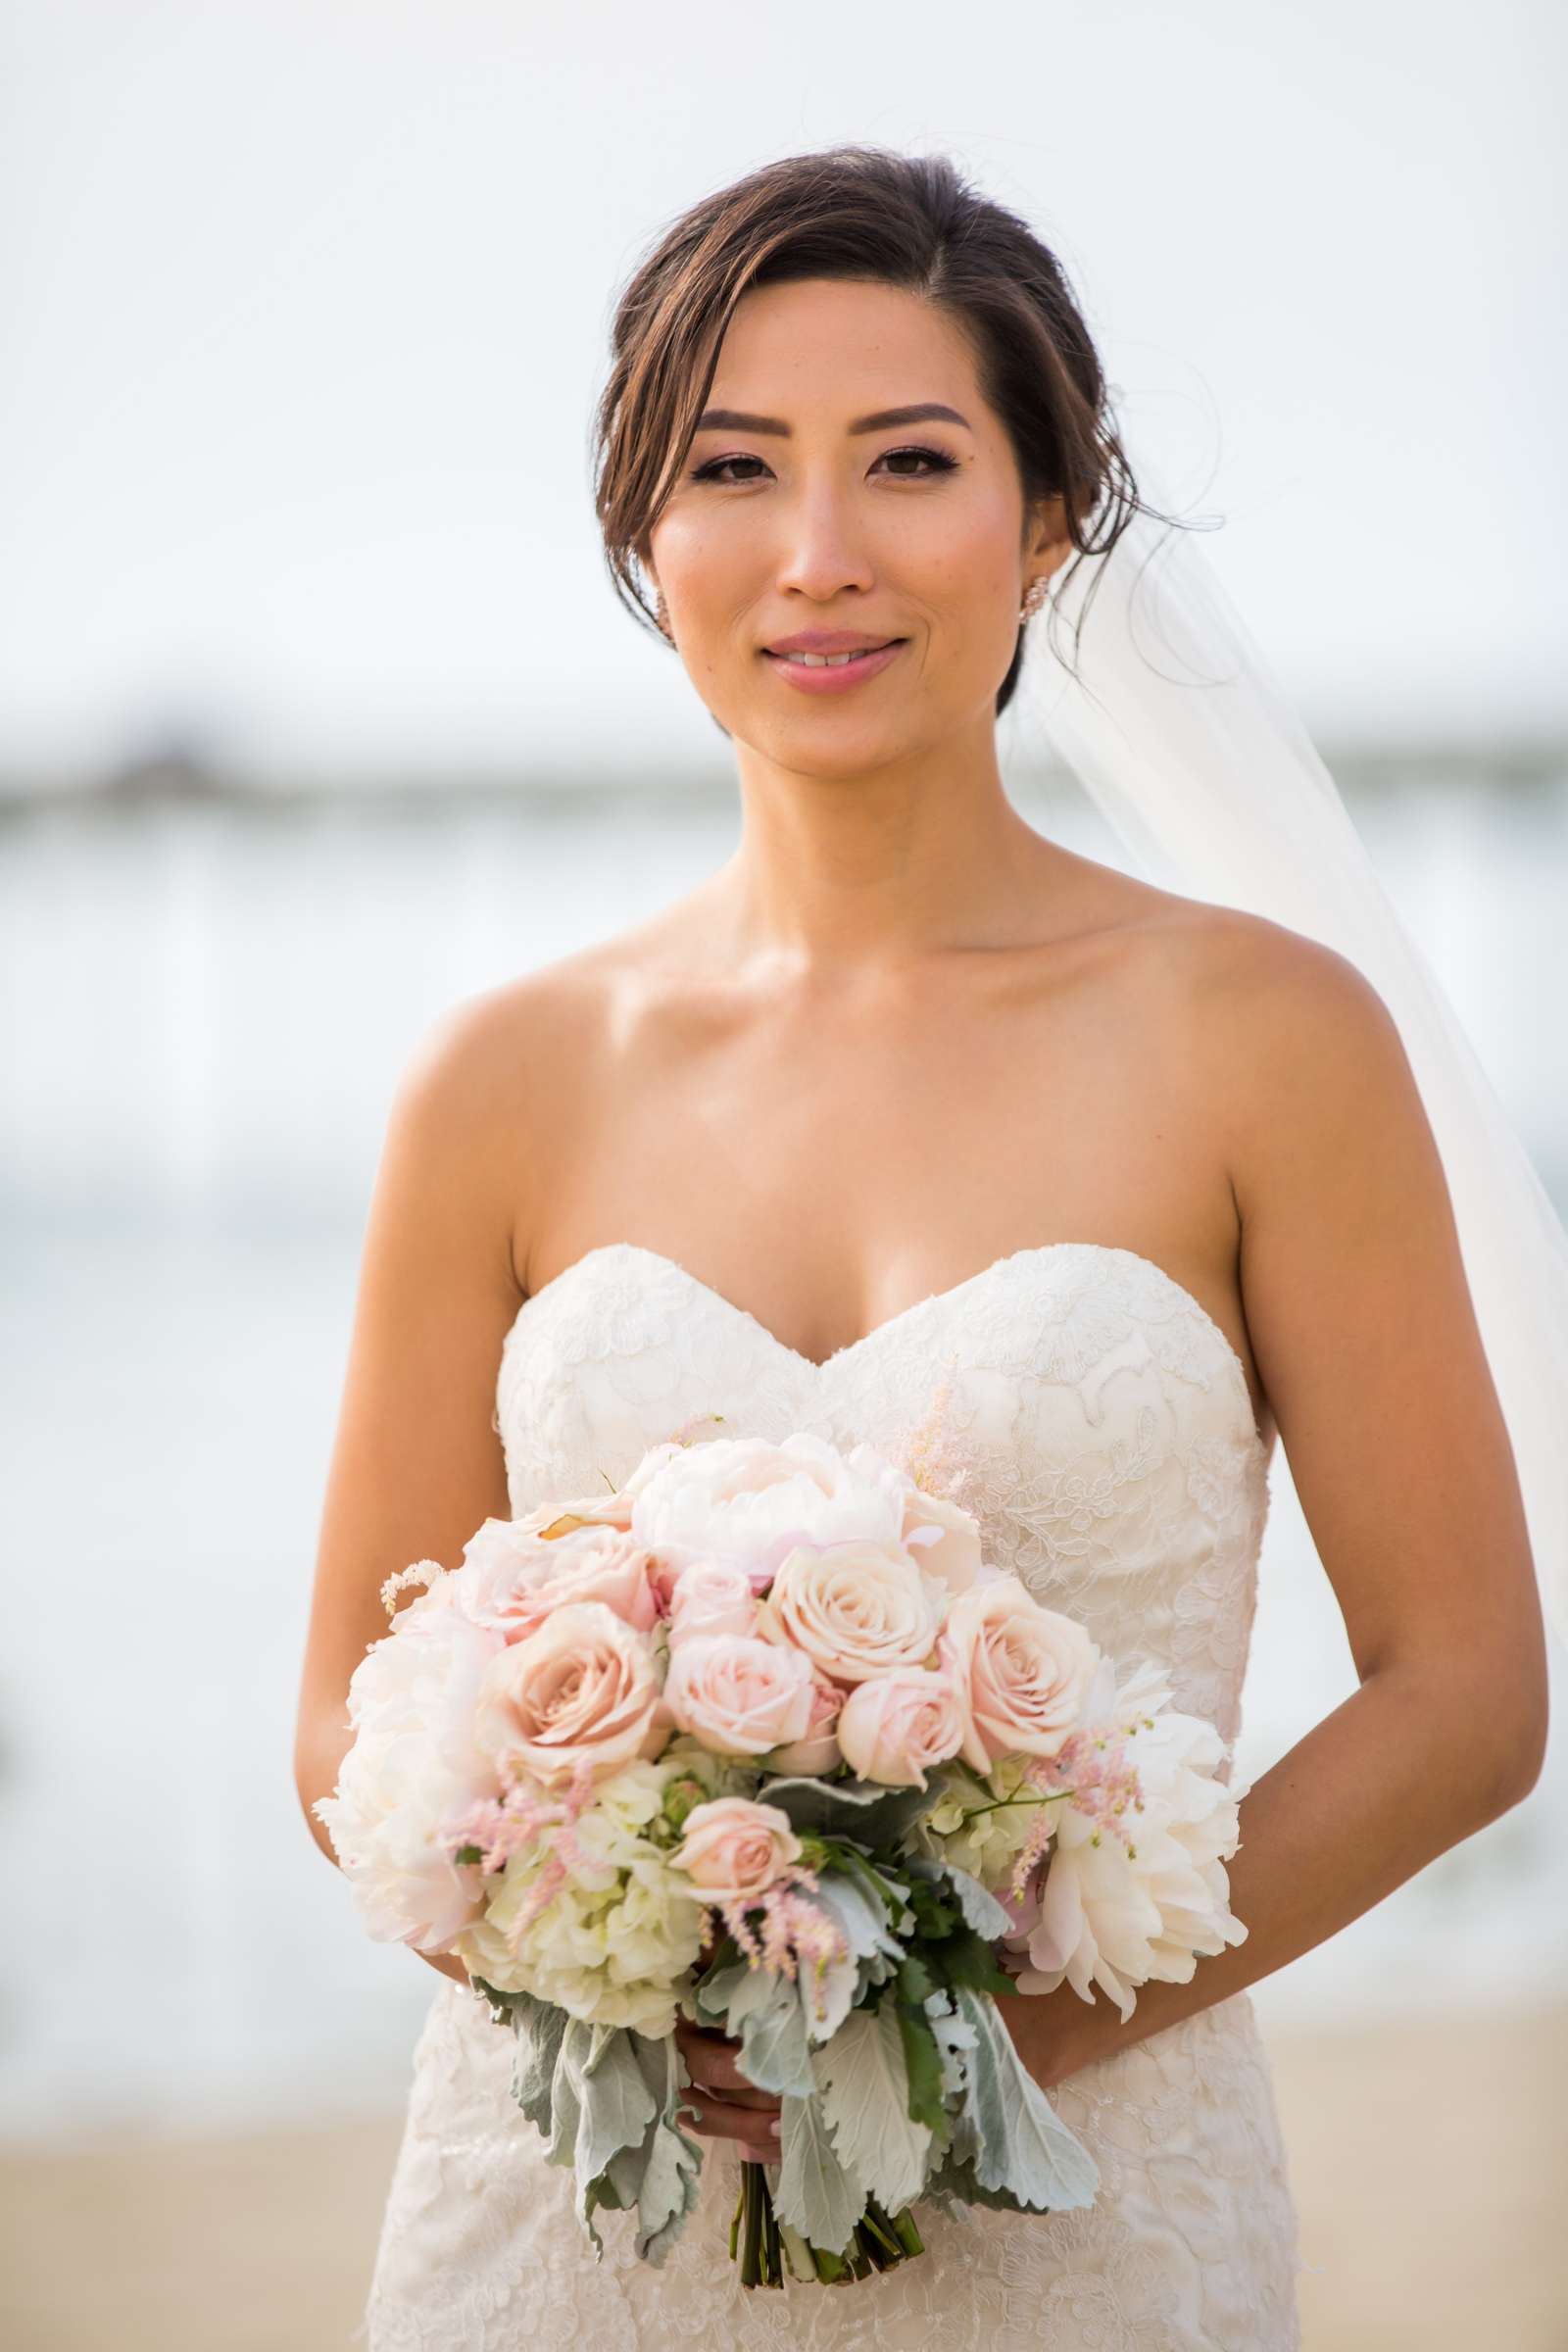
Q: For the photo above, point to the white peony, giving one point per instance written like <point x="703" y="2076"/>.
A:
<point x="1113" y="1919"/>
<point x="622" y="1930"/>
<point x="412" y="1765"/>
<point x="746" y="1500"/>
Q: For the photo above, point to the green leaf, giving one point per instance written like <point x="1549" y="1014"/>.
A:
<point x="618" y="2104"/>
<point x="814" y="2193"/>
<point x="874" y="1951"/>
<point x="1008" y="2129"/>
<point x="922" y="2065"/>
<point x="672" y="2160"/>
<point x="860" y="1915"/>
<point x="774" y="2052"/>
<point x="965" y="1958"/>
<point x="865" y="1810"/>
<point x="539" y="2026"/>
<point x="865" y="2097"/>
<point x="981" y="1909"/>
<point x="936" y="1915"/>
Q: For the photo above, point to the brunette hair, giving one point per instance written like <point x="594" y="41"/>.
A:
<point x="871" y="214"/>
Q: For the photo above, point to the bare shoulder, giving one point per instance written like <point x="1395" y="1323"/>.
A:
<point x="487" y="1056"/>
<point x="1295" y="1041"/>
<point x="1260" y="1012"/>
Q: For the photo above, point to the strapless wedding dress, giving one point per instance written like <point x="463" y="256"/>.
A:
<point x="1115" y="1466"/>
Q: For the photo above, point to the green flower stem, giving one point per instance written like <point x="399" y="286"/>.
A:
<point x="768" y="2247"/>
<point x="908" y="2235"/>
<point x="755" y="2190"/>
<point x="1001" y="1804"/>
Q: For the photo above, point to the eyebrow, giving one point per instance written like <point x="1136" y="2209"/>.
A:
<point x="738" y="420"/>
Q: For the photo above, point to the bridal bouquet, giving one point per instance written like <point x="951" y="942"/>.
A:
<point x="760" y="1737"/>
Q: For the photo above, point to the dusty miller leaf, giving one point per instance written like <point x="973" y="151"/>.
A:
<point x="1008" y="2128"/>
<point x="814" y="2193"/>
<point x="865" y="2098"/>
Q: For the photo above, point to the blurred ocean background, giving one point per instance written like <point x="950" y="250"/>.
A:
<point x="231" y="985"/>
<point x="316" y="714"/>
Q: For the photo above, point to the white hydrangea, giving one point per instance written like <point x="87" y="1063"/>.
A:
<point x="976" y="1825"/>
<point x="615" y="1938"/>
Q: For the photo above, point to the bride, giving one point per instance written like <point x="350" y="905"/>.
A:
<point x="908" y="1097"/>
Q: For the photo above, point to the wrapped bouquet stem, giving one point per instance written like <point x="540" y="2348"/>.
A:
<point x="761" y="1738"/>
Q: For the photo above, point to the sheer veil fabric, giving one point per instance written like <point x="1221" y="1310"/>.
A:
<point x="1185" y="740"/>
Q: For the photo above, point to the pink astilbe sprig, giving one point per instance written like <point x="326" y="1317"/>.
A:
<point x="501" y="1827"/>
<point x="1093" y="1769"/>
<point x="938" y="1461"/>
<point x="504" y="1826"/>
<point x="418" y="1572"/>
<point x="793" y="1932"/>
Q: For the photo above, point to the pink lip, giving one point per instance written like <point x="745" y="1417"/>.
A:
<point x="826" y="641"/>
<point x="810" y="679"/>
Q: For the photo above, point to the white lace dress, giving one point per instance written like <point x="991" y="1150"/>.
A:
<point x="1115" y="1466"/>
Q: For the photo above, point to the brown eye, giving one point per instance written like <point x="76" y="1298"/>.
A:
<point x="931" y="462"/>
<point x="936" y="458"/>
<point x="712" y="470"/>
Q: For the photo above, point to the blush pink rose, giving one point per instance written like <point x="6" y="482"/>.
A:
<point x="895" y="1727"/>
<point x="734" y="1850"/>
<point x="856" y="1609"/>
<point x="738" y="1696"/>
<point x="818" y="1749"/>
<point x="580" y="1690"/>
<point x="1022" y="1670"/>
<point x="711" y="1596"/>
<point x="511" y="1578"/>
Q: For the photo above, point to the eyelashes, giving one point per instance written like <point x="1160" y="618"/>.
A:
<point x="938" y="460"/>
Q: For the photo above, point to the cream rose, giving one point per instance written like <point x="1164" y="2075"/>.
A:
<point x="895" y="1727"/>
<point x="711" y="1596"/>
<point x="733" y="1849"/>
<point x="856" y="1609"/>
<point x="581" y="1689"/>
<point x="1022" y="1670"/>
<point x="737" y="1696"/>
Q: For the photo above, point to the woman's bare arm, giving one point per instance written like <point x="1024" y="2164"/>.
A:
<point x="416" y="1464"/>
<point x="1365" y="1338"/>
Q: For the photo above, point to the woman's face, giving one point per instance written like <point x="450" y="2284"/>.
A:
<point x="805" y="505"/>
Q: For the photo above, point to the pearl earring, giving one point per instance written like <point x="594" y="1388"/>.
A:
<point x="1039" y="590"/>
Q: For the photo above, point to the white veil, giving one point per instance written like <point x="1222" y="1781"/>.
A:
<point x="1187" y="743"/>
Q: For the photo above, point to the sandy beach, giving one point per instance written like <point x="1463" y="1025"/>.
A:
<point x="1424" y="2158"/>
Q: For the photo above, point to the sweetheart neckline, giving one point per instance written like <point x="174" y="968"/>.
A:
<point x="820" y="1368"/>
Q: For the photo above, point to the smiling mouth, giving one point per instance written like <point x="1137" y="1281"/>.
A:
<point x="832" y="661"/>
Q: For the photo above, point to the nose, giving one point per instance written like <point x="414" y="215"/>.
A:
<point x="824" y="549"/>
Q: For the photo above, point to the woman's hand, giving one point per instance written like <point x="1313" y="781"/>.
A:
<point x="1054" y="2033"/>
<point x="726" y="2104"/>
<point x="449" y="1964"/>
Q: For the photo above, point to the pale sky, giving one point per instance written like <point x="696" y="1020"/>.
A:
<point x="303" y="309"/>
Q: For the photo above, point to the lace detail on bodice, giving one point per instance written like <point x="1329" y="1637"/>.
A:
<point x="1102" y="1417"/>
<point x="1105" y="1429"/>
